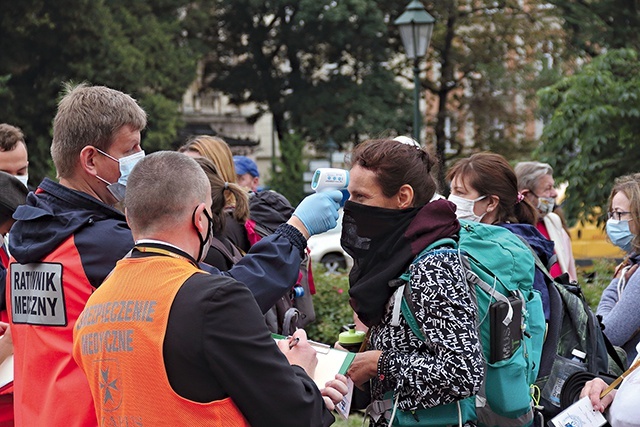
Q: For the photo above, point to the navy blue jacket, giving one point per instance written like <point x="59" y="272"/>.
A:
<point x="544" y="248"/>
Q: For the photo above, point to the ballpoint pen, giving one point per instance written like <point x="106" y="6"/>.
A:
<point x="293" y="342"/>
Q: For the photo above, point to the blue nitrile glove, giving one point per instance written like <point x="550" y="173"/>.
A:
<point x="319" y="212"/>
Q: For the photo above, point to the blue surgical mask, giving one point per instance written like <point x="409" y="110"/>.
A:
<point x="117" y="189"/>
<point x="619" y="233"/>
<point x="464" y="208"/>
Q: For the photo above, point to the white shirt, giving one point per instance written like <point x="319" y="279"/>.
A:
<point x="625" y="409"/>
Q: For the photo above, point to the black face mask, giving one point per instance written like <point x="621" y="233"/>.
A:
<point x="206" y="242"/>
<point x="373" y="236"/>
<point x="382" y="243"/>
<point x="364" y="226"/>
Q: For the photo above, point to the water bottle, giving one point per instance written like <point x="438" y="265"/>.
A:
<point x="351" y="340"/>
<point x="562" y="369"/>
<point x="297" y="291"/>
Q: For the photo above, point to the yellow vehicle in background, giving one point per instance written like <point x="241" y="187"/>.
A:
<point x="588" y="240"/>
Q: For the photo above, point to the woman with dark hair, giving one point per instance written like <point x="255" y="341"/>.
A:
<point x="388" y="221"/>
<point x="484" y="188"/>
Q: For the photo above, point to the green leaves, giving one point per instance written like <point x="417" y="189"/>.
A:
<point x="137" y="47"/>
<point x="591" y="137"/>
<point x="319" y="66"/>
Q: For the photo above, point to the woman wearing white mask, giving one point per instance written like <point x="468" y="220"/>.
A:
<point x="535" y="181"/>
<point x="484" y="188"/>
<point x="619" y="302"/>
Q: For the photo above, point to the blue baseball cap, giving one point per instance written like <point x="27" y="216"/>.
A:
<point x="244" y="165"/>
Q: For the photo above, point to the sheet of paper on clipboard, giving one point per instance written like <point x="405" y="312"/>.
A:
<point x="6" y="371"/>
<point x="331" y="361"/>
<point x="580" y="414"/>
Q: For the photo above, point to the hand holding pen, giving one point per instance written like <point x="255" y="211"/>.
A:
<point x="293" y="342"/>
<point x="299" y="351"/>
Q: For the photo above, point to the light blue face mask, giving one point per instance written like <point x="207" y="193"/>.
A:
<point x="117" y="189"/>
<point x="619" y="233"/>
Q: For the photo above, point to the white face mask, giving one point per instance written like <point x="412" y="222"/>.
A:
<point x="23" y="179"/>
<point x="464" y="208"/>
<point x="545" y="205"/>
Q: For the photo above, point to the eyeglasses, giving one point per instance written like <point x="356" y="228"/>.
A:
<point x="617" y="215"/>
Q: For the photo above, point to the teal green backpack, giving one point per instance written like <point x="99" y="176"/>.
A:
<point x="501" y="267"/>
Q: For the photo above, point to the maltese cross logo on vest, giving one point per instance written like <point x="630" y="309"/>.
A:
<point x="110" y="391"/>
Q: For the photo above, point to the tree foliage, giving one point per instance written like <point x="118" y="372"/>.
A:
<point x="319" y="66"/>
<point x="136" y="47"/>
<point x="592" y="26"/>
<point x="484" y="64"/>
<point x="591" y="134"/>
<point x="288" y="180"/>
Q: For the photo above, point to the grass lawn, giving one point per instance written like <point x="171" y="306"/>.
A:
<point x="355" y="420"/>
<point x="595" y="278"/>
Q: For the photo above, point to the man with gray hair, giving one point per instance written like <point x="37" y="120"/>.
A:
<point x="535" y="182"/>
<point x="203" y="333"/>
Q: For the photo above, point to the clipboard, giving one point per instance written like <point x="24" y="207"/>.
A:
<point x="331" y="361"/>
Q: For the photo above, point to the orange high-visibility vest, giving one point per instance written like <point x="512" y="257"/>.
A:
<point x="118" y="343"/>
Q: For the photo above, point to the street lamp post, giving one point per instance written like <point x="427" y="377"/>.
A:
<point x="416" y="27"/>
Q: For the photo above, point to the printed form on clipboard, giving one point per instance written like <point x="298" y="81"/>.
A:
<point x="331" y="361"/>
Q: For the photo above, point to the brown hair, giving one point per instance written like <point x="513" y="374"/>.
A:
<point x="395" y="164"/>
<point x="218" y="189"/>
<point x="10" y="136"/>
<point x="630" y="186"/>
<point x="90" y="115"/>
<point x="491" y="174"/>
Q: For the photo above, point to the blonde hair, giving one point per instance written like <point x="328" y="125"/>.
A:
<point x="90" y="115"/>
<point x="216" y="150"/>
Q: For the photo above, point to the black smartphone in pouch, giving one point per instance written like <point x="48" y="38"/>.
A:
<point x="505" y="339"/>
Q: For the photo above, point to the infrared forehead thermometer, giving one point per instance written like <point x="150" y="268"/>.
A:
<point x="325" y="179"/>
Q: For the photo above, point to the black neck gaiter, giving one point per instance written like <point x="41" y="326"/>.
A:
<point x="383" y="242"/>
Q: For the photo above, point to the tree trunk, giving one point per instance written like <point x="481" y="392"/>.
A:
<point x="446" y="84"/>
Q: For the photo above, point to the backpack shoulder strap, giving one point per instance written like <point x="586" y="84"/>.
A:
<point x="544" y="269"/>
<point x="233" y="256"/>
<point x="435" y="245"/>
